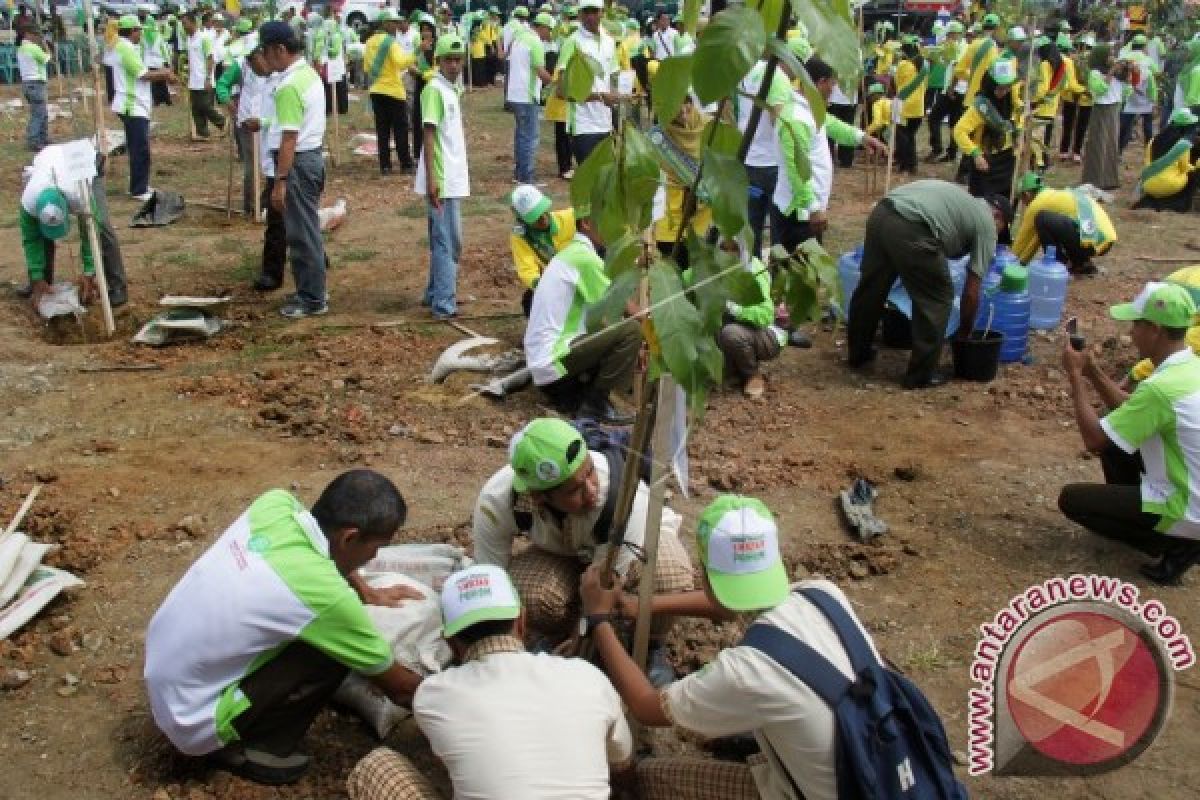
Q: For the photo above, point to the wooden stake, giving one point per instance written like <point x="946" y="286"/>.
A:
<point x="101" y="132"/>
<point x="254" y="145"/>
<point x="333" y="150"/>
<point x="83" y="95"/>
<point x="187" y="96"/>
<point x="22" y="511"/>
<point x="89" y="223"/>
<point x="229" y="175"/>
<point x="887" y="183"/>
<point x="1025" y="117"/>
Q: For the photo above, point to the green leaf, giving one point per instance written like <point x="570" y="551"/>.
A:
<point x="708" y="294"/>
<point x="781" y="51"/>
<point x="724" y="180"/>
<point x="608" y="206"/>
<point x="807" y="280"/>
<point x="691" y="15"/>
<point x="580" y="76"/>
<point x="584" y="181"/>
<point x="610" y="308"/>
<point x="670" y="86"/>
<point x="725" y="138"/>
<point x="728" y="47"/>
<point x="772" y="12"/>
<point x="621" y="255"/>
<point x="743" y="288"/>
<point x="640" y="178"/>
<point x="686" y="351"/>
<point x="834" y="36"/>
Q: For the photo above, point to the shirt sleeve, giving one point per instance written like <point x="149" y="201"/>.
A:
<point x="537" y="56"/>
<point x="719" y="700"/>
<point x="493" y="524"/>
<point x="525" y="261"/>
<point x="344" y="632"/>
<point x="289" y="110"/>
<point x="432" y="109"/>
<point x="842" y="132"/>
<point x="231" y="76"/>
<point x="131" y="62"/>
<point x="1141" y="416"/>
<point x="967" y="125"/>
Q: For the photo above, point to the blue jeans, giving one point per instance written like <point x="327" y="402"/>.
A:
<point x="305" y="182"/>
<point x="137" y="142"/>
<point x="445" y="248"/>
<point x="762" y="187"/>
<point x="525" y="141"/>
<point x="37" y="131"/>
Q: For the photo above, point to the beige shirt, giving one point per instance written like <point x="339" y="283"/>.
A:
<point x="745" y="690"/>
<point x="511" y="724"/>
<point x="494" y="526"/>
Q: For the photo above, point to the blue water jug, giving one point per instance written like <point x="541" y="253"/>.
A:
<point x="898" y="296"/>
<point x="1048" y="281"/>
<point x="849" y="271"/>
<point x="1009" y="301"/>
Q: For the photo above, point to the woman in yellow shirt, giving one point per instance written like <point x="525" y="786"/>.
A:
<point x="880" y="106"/>
<point x="987" y="131"/>
<point x="1076" y="104"/>
<point x="912" y="76"/>
<point x="1169" y="179"/>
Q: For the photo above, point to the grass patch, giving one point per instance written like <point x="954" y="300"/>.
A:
<point x="926" y="658"/>
<point x="246" y="268"/>
<point x="182" y="258"/>
<point x="365" y="254"/>
<point x="414" y="211"/>
<point x="228" y="244"/>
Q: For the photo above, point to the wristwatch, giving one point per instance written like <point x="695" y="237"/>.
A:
<point x="590" y="622"/>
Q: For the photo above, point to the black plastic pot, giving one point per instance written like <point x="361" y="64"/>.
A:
<point x="977" y="357"/>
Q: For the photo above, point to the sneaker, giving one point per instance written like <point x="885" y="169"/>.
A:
<point x="259" y="766"/>
<point x="144" y="196"/>
<point x="299" y="310"/>
<point x="443" y="317"/>
<point x="755" y="386"/>
<point x="266" y="284"/>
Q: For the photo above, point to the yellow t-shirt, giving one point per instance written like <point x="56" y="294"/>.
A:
<point x="1059" y="201"/>
<point x="914" y="106"/>
<point x="1171" y="180"/>
<point x="391" y="75"/>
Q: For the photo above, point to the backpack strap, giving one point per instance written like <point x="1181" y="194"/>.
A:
<point x="602" y="530"/>
<point x="800" y="659"/>
<point x="856" y="645"/>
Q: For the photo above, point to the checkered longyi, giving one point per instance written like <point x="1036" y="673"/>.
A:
<point x="384" y="774"/>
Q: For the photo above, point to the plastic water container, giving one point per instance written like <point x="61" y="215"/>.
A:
<point x="1010" y="299"/>
<point x="849" y="272"/>
<point x="1002" y="260"/>
<point x="1048" y="281"/>
<point x="898" y="296"/>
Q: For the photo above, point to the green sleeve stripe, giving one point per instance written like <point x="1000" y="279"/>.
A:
<point x="432" y="106"/>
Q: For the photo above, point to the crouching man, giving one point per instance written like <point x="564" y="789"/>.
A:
<point x="506" y="723"/>
<point x="563" y="495"/>
<point x="260" y="631"/>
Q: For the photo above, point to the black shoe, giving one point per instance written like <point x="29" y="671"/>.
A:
<point x="857" y="360"/>
<point x="25" y="291"/>
<point x="266" y="284"/>
<point x="385" y="171"/>
<point x="931" y="381"/>
<point x="602" y="410"/>
<point x="261" y="767"/>
<point x="798" y="338"/>
<point x="1174" y="563"/>
<point x="117" y="299"/>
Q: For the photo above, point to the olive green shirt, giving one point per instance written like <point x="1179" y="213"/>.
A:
<point x="962" y="224"/>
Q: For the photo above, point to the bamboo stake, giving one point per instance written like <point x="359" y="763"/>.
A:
<point x="101" y="133"/>
<point x="891" y="155"/>
<point x="22" y="511"/>
<point x="89" y="223"/>
<point x="1021" y="144"/>
<point x="83" y="95"/>
<point x="333" y="150"/>
<point x="254" y="146"/>
<point x="229" y="175"/>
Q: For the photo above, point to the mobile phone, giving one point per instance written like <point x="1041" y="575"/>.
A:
<point x="1077" y="340"/>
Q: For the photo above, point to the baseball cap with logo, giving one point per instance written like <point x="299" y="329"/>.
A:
<point x="739" y="547"/>
<point x="387" y="15"/>
<point x="544" y="19"/>
<point x="449" y="45"/>
<point x="1030" y="182"/>
<point x="954" y="26"/>
<point x="1183" y="117"/>
<point x="129" y="22"/>
<point x="1140" y="40"/>
<point x="1004" y="72"/>
<point x="51" y="212"/>
<point x="544" y="454"/>
<point x="591" y="5"/>
<point x="521" y="12"/>
<point x="482" y="593"/>
<point x="1017" y="34"/>
<point x="1164" y="304"/>
<point x="244" y="25"/>
<point x="529" y="203"/>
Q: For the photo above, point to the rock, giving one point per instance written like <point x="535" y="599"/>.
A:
<point x="14" y="678"/>
<point x="431" y="437"/>
<point x="960" y="758"/>
<point x="114" y="491"/>
<point x="105" y="446"/>
<point x="858" y="570"/>
<point x="275" y="412"/>
<point x="62" y="643"/>
<point x="907" y="472"/>
<point x="93" y="641"/>
<point x="162" y="794"/>
<point x="1039" y="391"/>
<point x="324" y="354"/>
<point x="191" y="524"/>
<point x="67" y="691"/>
<point x="397" y="430"/>
<point x="337" y="384"/>
<point x="492" y="440"/>
<point x="910" y="550"/>
<point x="70" y="679"/>
<point x="45" y="475"/>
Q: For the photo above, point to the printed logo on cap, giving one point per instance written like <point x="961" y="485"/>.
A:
<point x="548" y="471"/>
<point x="754" y="549"/>
<point x="474" y="588"/>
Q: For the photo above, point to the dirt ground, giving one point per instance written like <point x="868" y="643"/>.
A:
<point x="144" y="469"/>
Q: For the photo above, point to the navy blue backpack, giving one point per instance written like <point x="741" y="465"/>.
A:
<point x="890" y="742"/>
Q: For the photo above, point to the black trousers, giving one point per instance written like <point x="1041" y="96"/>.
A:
<point x="946" y="109"/>
<point x="1062" y="233"/>
<point x="1113" y="509"/>
<point x="906" y="145"/>
<point x="1075" y="124"/>
<point x="342" y="89"/>
<point x="160" y="93"/>
<point x="285" y="696"/>
<point x="391" y="124"/>
<point x="788" y="230"/>
<point x="562" y="148"/>
<point x="596" y="365"/>
<point x="896" y="246"/>
<point x="845" y="153"/>
<point x="582" y="145"/>
<point x="274" y="255"/>
<point x="762" y="187"/>
<point x="418" y="130"/>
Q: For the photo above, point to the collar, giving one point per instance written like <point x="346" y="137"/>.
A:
<point x="1176" y="358"/>
<point x="505" y="643"/>
<point x="298" y="64"/>
<point x="585" y="241"/>
<point x="308" y="523"/>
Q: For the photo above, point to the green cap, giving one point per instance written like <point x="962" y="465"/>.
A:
<point x="545" y="454"/>
<point x="593" y="5"/>
<point x="1017" y="34"/>
<point x="51" y="210"/>
<point x="876" y="88"/>
<point x="1182" y="117"/>
<point x="739" y="548"/>
<point x="129" y="22"/>
<point x="480" y="593"/>
<point x="493" y="10"/>
<point x="570" y="11"/>
<point x="1030" y="182"/>
<point x="954" y="26"/>
<point x="529" y="203"/>
<point x="449" y="44"/>
<point x="1064" y="43"/>
<point x="1140" y="39"/>
<point x="521" y="12"/>
<point x="990" y="21"/>
<point x="387" y="15"/>
<point x="1165" y="304"/>
<point x="1040" y="41"/>
<point x="425" y="18"/>
<point x="244" y="25"/>
<point x="543" y="19"/>
<point x="1004" y="72"/>
<point x="912" y="39"/>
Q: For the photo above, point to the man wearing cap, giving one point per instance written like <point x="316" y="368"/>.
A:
<point x="1068" y="220"/>
<point x="742" y="689"/>
<point x="202" y="66"/>
<point x="537" y="237"/>
<point x="515" y="23"/>
<point x="1139" y="104"/>
<point x="979" y="56"/>
<point x="1149" y="442"/>
<point x="948" y="106"/>
<point x="156" y="52"/>
<point x="299" y="123"/>
<point x="261" y="630"/>
<point x="132" y="101"/>
<point x="387" y="63"/>
<point x="574" y="368"/>
<point x="44" y="219"/>
<point x="442" y="175"/>
<point x="32" y="57"/>
<point x="590" y="121"/>
<point x="505" y="723"/>
<point x="241" y="86"/>
<point x="523" y="92"/>
<point x="563" y="496"/>
<point x="911" y="233"/>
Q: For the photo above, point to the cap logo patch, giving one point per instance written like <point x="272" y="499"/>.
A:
<point x="749" y="549"/>
<point x="473" y="587"/>
<point x="548" y="471"/>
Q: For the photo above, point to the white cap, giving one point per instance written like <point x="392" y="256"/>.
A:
<point x="480" y="593"/>
<point x="529" y="203"/>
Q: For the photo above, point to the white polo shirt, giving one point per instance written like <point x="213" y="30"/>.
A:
<point x="666" y="43"/>
<point x="48" y="165"/>
<point x="199" y="51"/>
<point x="441" y="106"/>
<point x="764" y="147"/>
<point x="745" y="690"/>
<point x="131" y="91"/>
<point x="511" y="724"/>
<point x="594" y="117"/>
<point x="300" y="105"/>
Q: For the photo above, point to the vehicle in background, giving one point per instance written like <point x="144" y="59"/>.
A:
<point x="358" y="14"/>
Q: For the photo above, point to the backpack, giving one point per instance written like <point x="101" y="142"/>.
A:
<point x="613" y="443"/>
<point x="890" y="743"/>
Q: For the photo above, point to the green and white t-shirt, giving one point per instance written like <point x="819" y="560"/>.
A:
<point x="31" y="61"/>
<point x="131" y="91"/>
<point x="265" y="583"/>
<point x="441" y="107"/>
<point x="1161" y="421"/>
<point x="594" y="117"/>
<point x="523" y="84"/>
<point x="572" y="280"/>
<point x="201" y="64"/>
<point x="300" y="105"/>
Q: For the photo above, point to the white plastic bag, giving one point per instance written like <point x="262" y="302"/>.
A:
<point x="30" y="555"/>
<point x="10" y="551"/>
<point x="430" y="564"/>
<point x="38" y="591"/>
<point x="63" y="298"/>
